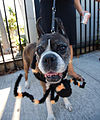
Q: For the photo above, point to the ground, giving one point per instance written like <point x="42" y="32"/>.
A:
<point x="85" y="102"/>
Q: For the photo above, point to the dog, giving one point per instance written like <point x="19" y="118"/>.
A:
<point x="52" y="58"/>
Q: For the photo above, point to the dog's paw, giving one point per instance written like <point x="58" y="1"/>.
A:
<point x="69" y="107"/>
<point x="51" y="117"/>
<point x="27" y="85"/>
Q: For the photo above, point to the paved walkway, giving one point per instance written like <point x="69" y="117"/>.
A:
<point x="85" y="102"/>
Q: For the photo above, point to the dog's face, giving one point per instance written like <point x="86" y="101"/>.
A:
<point x="53" y="54"/>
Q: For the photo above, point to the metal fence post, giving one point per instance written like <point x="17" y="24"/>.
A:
<point x="85" y="31"/>
<point x="27" y="20"/>
<point x="90" y="27"/>
<point x="80" y="34"/>
<point x="98" y="25"/>
<point x="18" y="27"/>
<point x="37" y="8"/>
<point x="3" y="57"/>
<point x="94" y="27"/>
<point x="9" y="35"/>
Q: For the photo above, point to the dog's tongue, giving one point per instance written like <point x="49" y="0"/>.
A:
<point x="49" y="74"/>
<point x="53" y="77"/>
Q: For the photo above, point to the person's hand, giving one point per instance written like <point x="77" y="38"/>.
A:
<point x="83" y="12"/>
<point x="85" y="17"/>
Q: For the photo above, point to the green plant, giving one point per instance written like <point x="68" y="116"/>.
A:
<point x="12" y="24"/>
<point x="23" y="41"/>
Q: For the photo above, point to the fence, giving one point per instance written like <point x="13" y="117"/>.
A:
<point x="87" y="36"/>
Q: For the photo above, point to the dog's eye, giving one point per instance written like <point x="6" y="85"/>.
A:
<point x="61" y="47"/>
<point x="40" y="50"/>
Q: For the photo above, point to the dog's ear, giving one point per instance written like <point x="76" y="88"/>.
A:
<point x="40" y="30"/>
<point x="60" y="27"/>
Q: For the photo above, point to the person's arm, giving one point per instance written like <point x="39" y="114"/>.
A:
<point x="78" y="7"/>
<point x="98" y="0"/>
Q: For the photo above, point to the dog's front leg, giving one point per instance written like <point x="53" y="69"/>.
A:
<point x="49" y="106"/>
<point x="67" y="104"/>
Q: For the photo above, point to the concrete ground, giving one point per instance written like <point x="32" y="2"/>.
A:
<point x="85" y="102"/>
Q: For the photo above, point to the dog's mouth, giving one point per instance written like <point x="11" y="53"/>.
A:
<point x="53" y="77"/>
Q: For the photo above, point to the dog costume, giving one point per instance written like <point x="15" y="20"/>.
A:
<point x="62" y="89"/>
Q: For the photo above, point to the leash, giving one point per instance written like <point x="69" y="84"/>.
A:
<point x="57" y="20"/>
<point x="53" y="16"/>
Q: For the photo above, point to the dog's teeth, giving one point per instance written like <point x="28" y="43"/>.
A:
<point x="45" y="75"/>
<point x="53" y="75"/>
<point x="60" y="74"/>
<point x="48" y="75"/>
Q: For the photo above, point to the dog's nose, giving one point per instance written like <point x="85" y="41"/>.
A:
<point x="49" y="59"/>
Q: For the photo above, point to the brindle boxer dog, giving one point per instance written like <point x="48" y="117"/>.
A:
<point x="52" y="54"/>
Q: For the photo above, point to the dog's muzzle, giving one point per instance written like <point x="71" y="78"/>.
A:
<point x="49" y="62"/>
<point x="50" y="65"/>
